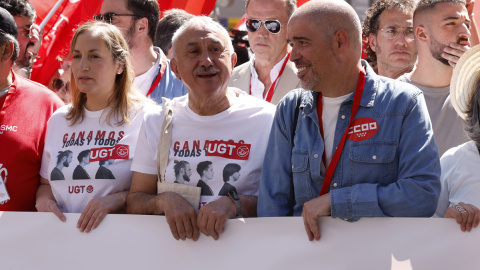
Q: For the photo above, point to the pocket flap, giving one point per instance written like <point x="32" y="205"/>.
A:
<point x="299" y="162"/>
<point x="373" y="152"/>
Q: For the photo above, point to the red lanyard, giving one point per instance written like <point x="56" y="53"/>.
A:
<point x="336" y="156"/>
<point x="159" y="76"/>
<point x="269" y="96"/>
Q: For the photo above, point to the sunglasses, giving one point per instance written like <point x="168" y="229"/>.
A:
<point x="108" y="17"/>
<point x="273" y="26"/>
<point x="57" y="84"/>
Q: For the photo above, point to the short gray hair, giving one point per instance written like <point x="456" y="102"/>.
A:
<point x="5" y="38"/>
<point x="291" y="6"/>
<point x="207" y="22"/>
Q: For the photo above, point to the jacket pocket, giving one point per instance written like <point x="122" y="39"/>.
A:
<point x="372" y="162"/>
<point x="301" y="178"/>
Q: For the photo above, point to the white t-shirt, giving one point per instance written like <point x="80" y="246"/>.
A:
<point x="144" y="81"/>
<point x="330" y="109"/>
<point x="238" y="135"/>
<point x="256" y="86"/>
<point x="75" y="183"/>
<point x="460" y="177"/>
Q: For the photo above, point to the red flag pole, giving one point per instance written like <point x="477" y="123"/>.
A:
<point x="50" y="14"/>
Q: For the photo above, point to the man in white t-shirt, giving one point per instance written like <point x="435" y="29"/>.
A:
<point x="138" y="21"/>
<point x="213" y="126"/>
<point x="268" y="75"/>
<point x="442" y="32"/>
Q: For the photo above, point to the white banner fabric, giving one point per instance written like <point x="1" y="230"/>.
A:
<point x="41" y="241"/>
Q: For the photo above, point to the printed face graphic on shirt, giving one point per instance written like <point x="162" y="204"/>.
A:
<point x="68" y="160"/>
<point x="208" y="173"/>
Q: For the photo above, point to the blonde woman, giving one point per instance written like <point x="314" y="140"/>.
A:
<point x="90" y="143"/>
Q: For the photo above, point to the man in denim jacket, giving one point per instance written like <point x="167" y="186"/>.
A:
<point x="389" y="163"/>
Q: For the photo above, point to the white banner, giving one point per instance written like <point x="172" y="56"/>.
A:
<point x="41" y="241"/>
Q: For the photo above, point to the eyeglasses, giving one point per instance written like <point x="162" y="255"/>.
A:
<point x="108" y="17"/>
<point x="26" y="31"/>
<point x="391" y="32"/>
<point x="57" y="84"/>
<point x="273" y="26"/>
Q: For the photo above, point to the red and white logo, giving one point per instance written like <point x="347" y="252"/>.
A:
<point x="118" y="151"/>
<point x="362" y="129"/>
<point x="229" y="149"/>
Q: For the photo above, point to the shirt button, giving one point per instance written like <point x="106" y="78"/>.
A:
<point x="343" y="116"/>
<point x="316" y="155"/>
<point x="374" y="157"/>
<point x="334" y="184"/>
<point x="345" y="219"/>
<point x="292" y="167"/>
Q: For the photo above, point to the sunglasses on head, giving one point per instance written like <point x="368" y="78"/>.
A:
<point x="273" y="26"/>
<point x="108" y="17"/>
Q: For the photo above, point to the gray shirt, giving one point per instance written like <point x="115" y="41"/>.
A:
<point x="448" y="127"/>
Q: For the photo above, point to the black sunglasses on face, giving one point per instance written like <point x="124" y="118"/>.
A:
<point x="273" y="26"/>
<point x="108" y="17"/>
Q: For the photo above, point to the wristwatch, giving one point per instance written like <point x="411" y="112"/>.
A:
<point x="236" y="200"/>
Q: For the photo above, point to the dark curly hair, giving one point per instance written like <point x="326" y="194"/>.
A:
<point x="371" y="22"/>
<point x="472" y="121"/>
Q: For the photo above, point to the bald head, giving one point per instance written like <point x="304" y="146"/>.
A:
<point x="331" y="16"/>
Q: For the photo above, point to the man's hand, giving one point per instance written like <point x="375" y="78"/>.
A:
<point x="98" y="208"/>
<point x="181" y="216"/>
<point x="213" y="216"/>
<point x="454" y="52"/>
<point x="311" y="211"/>
<point x="467" y="215"/>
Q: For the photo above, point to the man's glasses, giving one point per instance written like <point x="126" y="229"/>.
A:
<point x="108" y="17"/>
<point x="391" y="32"/>
<point x="27" y="31"/>
<point x="273" y="26"/>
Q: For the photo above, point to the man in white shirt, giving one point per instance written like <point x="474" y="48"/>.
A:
<point x="268" y="75"/>
<point x="442" y="32"/>
<point x="138" y="21"/>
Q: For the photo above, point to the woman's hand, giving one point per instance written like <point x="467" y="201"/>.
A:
<point x="467" y="215"/>
<point x="98" y="208"/>
<point x="45" y="201"/>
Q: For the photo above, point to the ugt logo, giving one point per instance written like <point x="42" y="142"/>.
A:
<point x="3" y="173"/>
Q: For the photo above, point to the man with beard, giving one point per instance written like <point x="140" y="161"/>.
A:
<point x="182" y="171"/>
<point x="376" y="130"/>
<point x="391" y="48"/>
<point x="63" y="160"/>
<point x="138" y="21"/>
<point x="28" y="34"/>
<point x="442" y="32"/>
<point x="268" y="75"/>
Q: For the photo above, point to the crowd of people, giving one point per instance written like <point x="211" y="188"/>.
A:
<point x="157" y="119"/>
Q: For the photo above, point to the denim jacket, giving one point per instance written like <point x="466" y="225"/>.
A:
<point x="394" y="173"/>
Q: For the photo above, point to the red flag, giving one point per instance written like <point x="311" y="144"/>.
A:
<point x="59" y="30"/>
<point x="58" y="33"/>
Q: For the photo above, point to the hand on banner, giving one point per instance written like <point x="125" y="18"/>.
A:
<point x="312" y="210"/>
<point x="98" y="208"/>
<point x="467" y="215"/>
<point x="181" y="216"/>
<point x="45" y="201"/>
<point x="50" y="206"/>
<point x="213" y="216"/>
<point x="453" y="52"/>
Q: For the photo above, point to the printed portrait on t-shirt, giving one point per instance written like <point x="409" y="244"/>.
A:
<point x="231" y="174"/>
<point x="182" y="171"/>
<point x="205" y="170"/>
<point x="84" y="159"/>
<point x="103" y="172"/>
<point x="64" y="158"/>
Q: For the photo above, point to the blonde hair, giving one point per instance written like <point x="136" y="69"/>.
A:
<point x="125" y="96"/>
